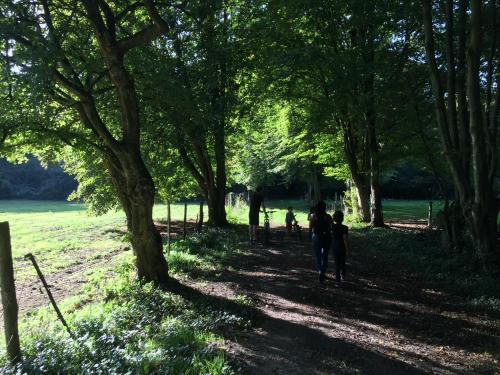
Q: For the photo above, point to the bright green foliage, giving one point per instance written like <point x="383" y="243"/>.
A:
<point x="262" y="147"/>
<point x="200" y="253"/>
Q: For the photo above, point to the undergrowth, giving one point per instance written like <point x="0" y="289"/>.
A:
<point x="130" y="328"/>
<point x="420" y="253"/>
<point x="203" y="252"/>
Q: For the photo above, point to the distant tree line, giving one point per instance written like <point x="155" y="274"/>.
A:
<point x="32" y="181"/>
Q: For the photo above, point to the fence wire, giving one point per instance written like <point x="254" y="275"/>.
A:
<point x="30" y="296"/>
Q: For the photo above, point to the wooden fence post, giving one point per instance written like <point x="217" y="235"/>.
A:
<point x="9" y="300"/>
<point x="185" y="219"/>
<point x="429" y="216"/>
<point x="168" y="228"/>
<point x="200" y="222"/>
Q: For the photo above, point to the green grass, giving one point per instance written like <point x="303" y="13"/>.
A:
<point x="123" y="327"/>
<point x="206" y="252"/>
<point x="61" y="234"/>
<point x="409" y="210"/>
<point x="393" y="209"/>
<point x="127" y="327"/>
<point x="130" y="328"/>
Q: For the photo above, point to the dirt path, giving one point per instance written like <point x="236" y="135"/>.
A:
<point x="374" y="323"/>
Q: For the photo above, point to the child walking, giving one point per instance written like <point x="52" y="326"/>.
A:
<point x="340" y="244"/>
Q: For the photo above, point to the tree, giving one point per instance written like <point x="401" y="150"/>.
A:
<point x="201" y="60"/>
<point x="75" y="54"/>
<point x="334" y="55"/>
<point x="467" y="107"/>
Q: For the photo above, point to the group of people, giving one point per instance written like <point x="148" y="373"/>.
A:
<point x="327" y="234"/>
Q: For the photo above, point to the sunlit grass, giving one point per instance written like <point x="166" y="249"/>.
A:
<point x="60" y="234"/>
<point x="392" y="209"/>
<point x="125" y="327"/>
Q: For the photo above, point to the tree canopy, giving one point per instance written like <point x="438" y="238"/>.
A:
<point x="145" y="101"/>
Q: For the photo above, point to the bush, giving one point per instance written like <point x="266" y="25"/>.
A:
<point x="421" y="254"/>
<point x="206" y="251"/>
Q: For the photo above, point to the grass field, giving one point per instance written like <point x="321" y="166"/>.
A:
<point x="393" y="210"/>
<point x="60" y="234"/>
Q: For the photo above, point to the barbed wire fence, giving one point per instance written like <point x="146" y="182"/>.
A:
<point x="31" y="296"/>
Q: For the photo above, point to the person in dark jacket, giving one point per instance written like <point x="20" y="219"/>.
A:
<point x="321" y="238"/>
<point x="340" y="244"/>
<point x="256" y="200"/>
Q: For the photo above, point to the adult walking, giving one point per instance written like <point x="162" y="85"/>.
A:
<point x="321" y="238"/>
<point x="256" y="200"/>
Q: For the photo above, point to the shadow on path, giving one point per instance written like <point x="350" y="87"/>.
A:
<point x="378" y="322"/>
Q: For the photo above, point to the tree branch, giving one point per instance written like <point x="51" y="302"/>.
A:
<point x="140" y="38"/>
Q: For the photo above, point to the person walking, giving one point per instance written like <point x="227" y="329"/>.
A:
<point x="321" y="238"/>
<point x="256" y="201"/>
<point x="290" y="220"/>
<point x="340" y="245"/>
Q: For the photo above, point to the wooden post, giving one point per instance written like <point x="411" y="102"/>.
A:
<point x="9" y="300"/>
<point x="49" y="293"/>
<point x="168" y="228"/>
<point x="200" y="222"/>
<point x="185" y="219"/>
<point x="429" y="217"/>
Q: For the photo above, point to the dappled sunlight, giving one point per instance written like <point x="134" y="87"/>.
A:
<point x="369" y="322"/>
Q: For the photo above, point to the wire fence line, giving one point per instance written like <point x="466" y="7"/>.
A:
<point x="31" y="295"/>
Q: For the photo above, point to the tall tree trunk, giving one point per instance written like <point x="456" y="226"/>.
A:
<point x="136" y="192"/>
<point x="219" y="208"/>
<point x="216" y="208"/>
<point x="120" y="150"/>
<point x="476" y="134"/>
<point x="484" y="207"/>
<point x="376" y="216"/>
<point x="363" y="190"/>
<point x="357" y="171"/>
<point x="377" y="219"/>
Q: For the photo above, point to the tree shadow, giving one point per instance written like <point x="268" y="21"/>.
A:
<point x="294" y="348"/>
<point x="375" y="299"/>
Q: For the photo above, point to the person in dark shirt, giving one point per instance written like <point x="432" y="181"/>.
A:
<point x="340" y="245"/>
<point x="290" y="219"/>
<point x="321" y="237"/>
<point x="256" y="200"/>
